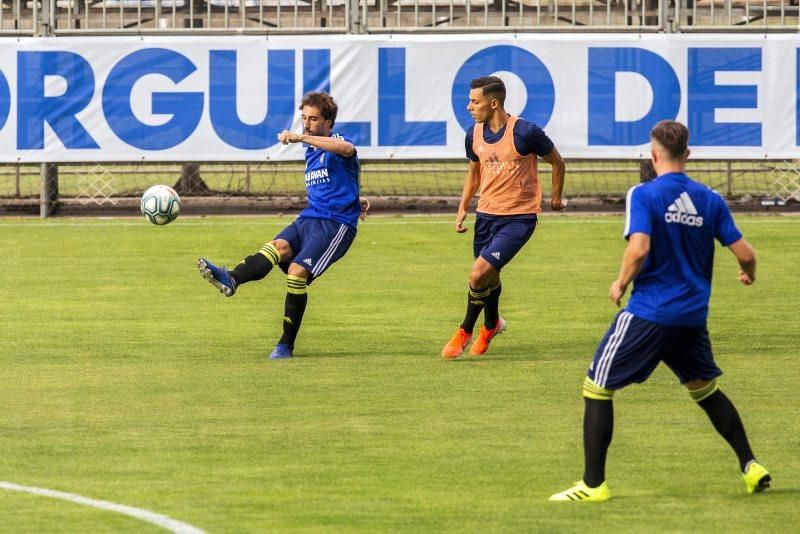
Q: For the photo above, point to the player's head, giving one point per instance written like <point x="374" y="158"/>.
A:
<point x="669" y="143"/>
<point x="318" y="111"/>
<point x="487" y="95"/>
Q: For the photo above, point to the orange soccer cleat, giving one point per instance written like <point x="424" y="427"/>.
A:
<point x="457" y="343"/>
<point x="481" y="344"/>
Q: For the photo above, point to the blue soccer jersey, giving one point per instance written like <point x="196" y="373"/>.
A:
<point x="682" y="218"/>
<point x="332" y="184"/>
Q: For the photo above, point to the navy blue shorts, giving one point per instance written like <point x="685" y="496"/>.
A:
<point x="497" y="240"/>
<point x="316" y="243"/>
<point x="632" y="348"/>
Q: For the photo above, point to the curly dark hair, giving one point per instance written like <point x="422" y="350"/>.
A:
<point x="324" y="103"/>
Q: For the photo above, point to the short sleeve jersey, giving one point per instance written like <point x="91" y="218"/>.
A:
<point x="332" y="184"/>
<point x="682" y="218"/>
<point x="528" y="139"/>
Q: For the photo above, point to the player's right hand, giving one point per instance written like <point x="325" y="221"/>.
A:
<point x="460" y="228"/>
<point x="745" y="278"/>
<point x="558" y="204"/>
<point x="287" y="137"/>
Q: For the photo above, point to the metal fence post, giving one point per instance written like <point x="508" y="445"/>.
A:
<point x="48" y="197"/>
<point x="664" y="11"/>
<point x="729" y="178"/>
<point x="353" y="17"/>
<point x="646" y="170"/>
<point x="48" y="200"/>
<point x="44" y="26"/>
<point x="247" y="178"/>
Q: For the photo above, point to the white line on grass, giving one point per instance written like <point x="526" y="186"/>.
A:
<point x="162" y="521"/>
<point x="378" y="221"/>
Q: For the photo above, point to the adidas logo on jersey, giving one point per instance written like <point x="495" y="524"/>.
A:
<point x="307" y="261"/>
<point x="682" y="211"/>
<point x="496" y="255"/>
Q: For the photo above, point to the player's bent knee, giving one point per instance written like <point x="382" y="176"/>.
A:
<point x="297" y="271"/>
<point x="482" y="274"/>
<point x="592" y="391"/>
<point x="700" y="390"/>
<point x="283" y="248"/>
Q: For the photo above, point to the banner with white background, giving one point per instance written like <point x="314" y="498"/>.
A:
<point x="226" y="98"/>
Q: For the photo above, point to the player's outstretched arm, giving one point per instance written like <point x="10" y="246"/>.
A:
<point x="746" y="256"/>
<point x="471" y="184"/>
<point x="632" y="261"/>
<point x="328" y="144"/>
<point x="557" y="203"/>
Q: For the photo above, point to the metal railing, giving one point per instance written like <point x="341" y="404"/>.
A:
<point x="513" y="15"/>
<point x="195" y="16"/>
<point x="108" y="17"/>
<point x="61" y="17"/>
<point x="20" y="17"/>
<point x="736" y="15"/>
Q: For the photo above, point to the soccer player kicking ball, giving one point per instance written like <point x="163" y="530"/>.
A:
<point x="671" y="224"/>
<point x="322" y="233"/>
<point x="503" y="151"/>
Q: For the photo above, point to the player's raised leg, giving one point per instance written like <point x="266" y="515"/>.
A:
<point x="218" y="276"/>
<point x="728" y="423"/>
<point x="253" y="267"/>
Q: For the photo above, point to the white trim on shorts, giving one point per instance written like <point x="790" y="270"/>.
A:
<point x="610" y="350"/>
<point x="323" y="261"/>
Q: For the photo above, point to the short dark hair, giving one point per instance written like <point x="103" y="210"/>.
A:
<point x="492" y="87"/>
<point x="324" y="103"/>
<point x="673" y="136"/>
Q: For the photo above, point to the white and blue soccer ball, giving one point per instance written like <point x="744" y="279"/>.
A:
<point x="160" y="204"/>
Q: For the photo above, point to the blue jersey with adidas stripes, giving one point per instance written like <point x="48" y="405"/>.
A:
<point x="332" y="185"/>
<point x="682" y="218"/>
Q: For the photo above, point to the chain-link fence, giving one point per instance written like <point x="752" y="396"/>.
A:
<point x="599" y="182"/>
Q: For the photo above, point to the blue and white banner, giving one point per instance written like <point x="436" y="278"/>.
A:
<point x="403" y="97"/>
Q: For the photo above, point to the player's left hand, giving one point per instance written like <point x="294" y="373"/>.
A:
<point x="365" y="205"/>
<point x="558" y="204"/>
<point x="616" y="292"/>
<point x="287" y="137"/>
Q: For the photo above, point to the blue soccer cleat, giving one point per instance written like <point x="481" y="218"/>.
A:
<point x="281" y="351"/>
<point x="218" y="276"/>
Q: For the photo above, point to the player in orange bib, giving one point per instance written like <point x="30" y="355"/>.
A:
<point x="503" y="151"/>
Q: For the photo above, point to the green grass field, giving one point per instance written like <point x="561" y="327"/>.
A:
<point x="126" y="377"/>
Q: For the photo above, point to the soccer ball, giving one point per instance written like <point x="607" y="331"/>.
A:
<point x="160" y="204"/>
